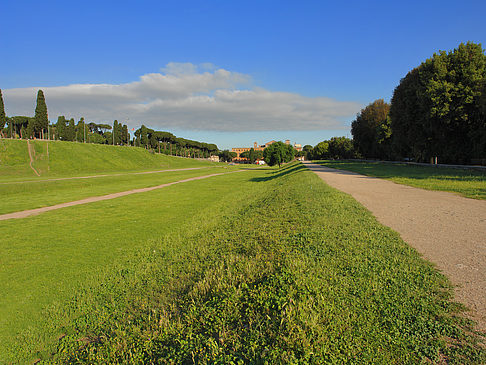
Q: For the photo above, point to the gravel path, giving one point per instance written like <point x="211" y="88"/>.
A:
<point x="31" y="212"/>
<point x="447" y="229"/>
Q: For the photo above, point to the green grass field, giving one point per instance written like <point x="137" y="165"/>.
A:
<point x="468" y="183"/>
<point x="18" y="196"/>
<point x="79" y="159"/>
<point x="259" y="266"/>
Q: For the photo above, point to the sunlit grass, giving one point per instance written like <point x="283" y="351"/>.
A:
<point x="467" y="182"/>
<point x="252" y="267"/>
<point x="60" y="159"/>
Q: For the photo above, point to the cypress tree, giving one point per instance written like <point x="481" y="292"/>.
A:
<point x="41" y="120"/>
<point x="3" y="117"/>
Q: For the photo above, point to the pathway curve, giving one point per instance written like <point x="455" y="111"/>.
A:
<point x="447" y="229"/>
<point x="31" y="212"/>
<point x="30" y="148"/>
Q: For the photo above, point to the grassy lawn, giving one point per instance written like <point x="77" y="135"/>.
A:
<point x="259" y="266"/>
<point x="468" y="183"/>
<point x="79" y="159"/>
<point x="18" y="196"/>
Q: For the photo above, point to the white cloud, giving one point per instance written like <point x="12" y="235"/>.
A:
<point x="185" y="96"/>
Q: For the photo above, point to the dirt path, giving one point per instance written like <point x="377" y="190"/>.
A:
<point x="31" y="212"/>
<point x="31" y="157"/>
<point x="447" y="229"/>
<point x="104" y="175"/>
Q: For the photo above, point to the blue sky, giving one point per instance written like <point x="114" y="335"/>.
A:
<point x="283" y="65"/>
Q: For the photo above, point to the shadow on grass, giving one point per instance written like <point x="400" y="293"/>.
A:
<point x="389" y="171"/>
<point x="286" y="170"/>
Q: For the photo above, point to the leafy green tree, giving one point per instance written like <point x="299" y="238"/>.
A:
<point x="307" y="149"/>
<point x="144" y="139"/>
<point x="341" y="148"/>
<point x="3" y="117"/>
<point x="41" y="120"/>
<point x="278" y="153"/>
<point x="436" y="109"/>
<point x="226" y="156"/>
<point x="18" y="125"/>
<point x="321" y="151"/>
<point x="371" y="128"/>
<point x="252" y="155"/>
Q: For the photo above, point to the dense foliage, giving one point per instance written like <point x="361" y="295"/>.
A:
<point x="438" y="109"/>
<point x="41" y="120"/>
<point x="252" y="155"/>
<point x="278" y="153"/>
<point x="226" y="156"/>
<point x="165" y="142"/>
<point x="335" y="148"/>
<point x="372" y="131"/>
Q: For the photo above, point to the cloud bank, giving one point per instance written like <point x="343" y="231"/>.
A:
<point x="186" y="96"/>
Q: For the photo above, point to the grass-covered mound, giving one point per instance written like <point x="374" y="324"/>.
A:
<point x="57" y="158"/>
<point x="272" y="267"/>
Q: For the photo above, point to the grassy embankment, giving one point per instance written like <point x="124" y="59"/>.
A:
<point x="468" y="183"/>
<point x="21" y="190"/>
<point x="257" y="266"/>
<point x="66" y="159"/>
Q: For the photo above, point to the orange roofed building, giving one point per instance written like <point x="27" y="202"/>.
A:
<point x="256" y="147"/>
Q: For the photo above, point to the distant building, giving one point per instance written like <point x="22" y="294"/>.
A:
<point x="256" y="147"/>
<point x="213" y="158"/>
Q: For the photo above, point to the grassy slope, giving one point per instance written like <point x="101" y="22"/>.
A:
<point x="469" y="183"/>
<point x="29" y="195"/>
<point x="254" y="266"/>
<point x="77" y="159"/>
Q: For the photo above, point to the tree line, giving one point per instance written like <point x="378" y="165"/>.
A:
<point x="334" y="148"/>
<point x="437" y="112"/>
<point x="116" y="134"/>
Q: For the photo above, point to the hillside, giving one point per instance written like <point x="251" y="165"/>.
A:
<point x="57" y="158"/>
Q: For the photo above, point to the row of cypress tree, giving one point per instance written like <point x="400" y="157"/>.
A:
<point x="32" y="127"/>
<point x="118" y="134"/>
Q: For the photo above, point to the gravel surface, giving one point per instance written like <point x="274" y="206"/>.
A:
<point x="447" y="229"/>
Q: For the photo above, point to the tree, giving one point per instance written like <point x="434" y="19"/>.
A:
<point x="70" y="131"/>
<point x="341" y="148"/>
<point x="61" y="128"/>
<point x="81" y="131"/>
<point x="320" y="151"/>
<point x="18" y="125"/>
<point x="278" y="153"/>
<point x="125" y="135"/>
<point x="307" y="149"/>
<point x="436" y="109"/>
<point x="3" y="117"/>
<point x="41" y="120"/>
<point x="371" y="132"/>
<point x="252" y="155"/>
<point x="226" y="156"/>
